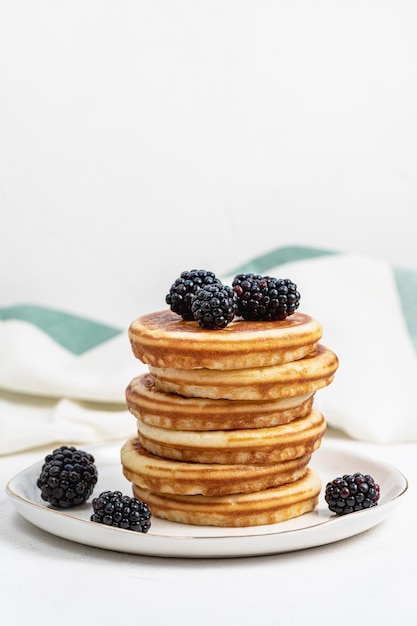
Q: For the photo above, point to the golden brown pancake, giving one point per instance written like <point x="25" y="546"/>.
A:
<point x="260" y="445"/>
<point x="225" y="419"/>
<point x="261" y="383"/>
<point x="170" y="410"/>
<point x="163" y="339"/>
<point x="175" y="477"/>
<point x="268" y="506"/>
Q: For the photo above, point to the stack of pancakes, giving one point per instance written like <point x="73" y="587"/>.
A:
<point x="226" y="424"/>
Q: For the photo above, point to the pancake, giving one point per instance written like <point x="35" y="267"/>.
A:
<point x="166" y="476"/>
<point x="261" y="445"/>
<point x="268" y="506"/>
<point x="169" y="410"/>
<point x="226" y="424"/>
<point x="163" y="339"/>
<point x="296" y="378"/>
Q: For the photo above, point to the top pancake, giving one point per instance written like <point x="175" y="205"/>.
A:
<point x="164" y="339"/>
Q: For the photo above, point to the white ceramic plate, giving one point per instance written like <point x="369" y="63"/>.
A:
<point x="168" y="539"/>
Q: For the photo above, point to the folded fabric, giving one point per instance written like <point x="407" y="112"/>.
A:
<point x="28" y="422"/>
<point x="368" y="310"/>
<point x="52" y="353"/>
<point x="63" y="377"/>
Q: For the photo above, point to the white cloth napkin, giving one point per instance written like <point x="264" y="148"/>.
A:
<point x="368" y="310"/>
<point x="63" y="378"/>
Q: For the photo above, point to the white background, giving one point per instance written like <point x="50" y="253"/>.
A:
<point x="138" y="139"/>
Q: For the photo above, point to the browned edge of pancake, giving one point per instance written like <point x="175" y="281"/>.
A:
<point x="170" y="410"/>
<point x="269" y="506"/>
<point x="164" y="339"/>
<point x="269" y="445"/>
<point x="267" y="383"/>
<point x="176" y="477"/>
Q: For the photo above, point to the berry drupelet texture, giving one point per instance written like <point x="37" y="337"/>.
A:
<point x="184" y="288"/>
<point x="214" y="306"/>
<point x="265" y="298"/>
<point x="112" y="508"/>
<point x="67" y="477"/>
<point x="351" y="492"/>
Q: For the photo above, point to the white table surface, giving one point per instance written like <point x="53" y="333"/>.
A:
<point x="371" y="576"/>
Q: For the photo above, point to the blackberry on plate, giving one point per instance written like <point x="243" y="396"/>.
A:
<point x="67" y="477"/>
<point x="184" y="288"/>
<point x="351" y="492"/>
<point x="265" y="298"/>
<point x="112" y="508"/>
<point x="214" y="306"/>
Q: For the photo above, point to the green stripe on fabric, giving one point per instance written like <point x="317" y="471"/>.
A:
<point x="279" y="256"/>
<point x="406" y="281"/>
<point x="76" y="334"/>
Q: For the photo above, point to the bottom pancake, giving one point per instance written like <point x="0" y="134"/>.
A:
<point x="177" y="477"/>
<point x="269" y="506"/>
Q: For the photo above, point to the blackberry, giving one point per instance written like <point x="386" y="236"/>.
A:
<point x="67" y="477"/>
<point x="351" y="492"/>
<point x="265" y="298"/>
<point x="214" y="306"/>
<point x="112" y="508"/>
<point x="184" y="288"/>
